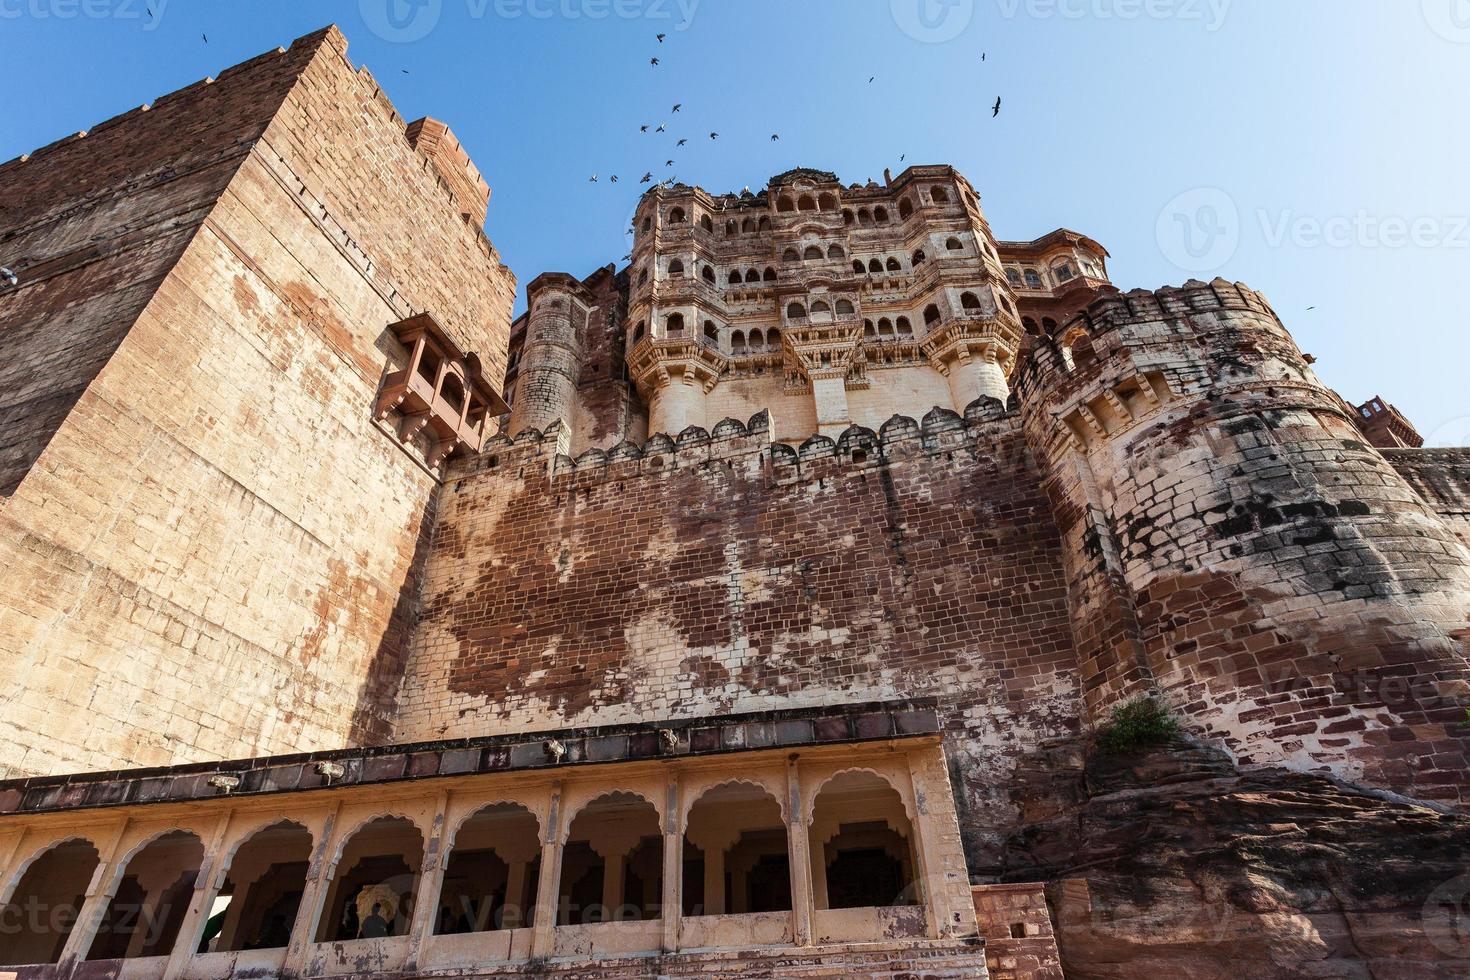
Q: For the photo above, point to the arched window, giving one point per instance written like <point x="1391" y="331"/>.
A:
<point x="868" y="329"/>
<point x="711" y="332"/>
<point x="795" y="311"/>
<point x="806" y="203"/>
<point x="491" y="874"/>
<point x="707" y="274"/>
<point x="748" y="226"/>
<point x="845" y="308"/>
<point x="820" y="308"/>
<point x="812" y="254"/>
<point x="676" y="267"/>
<point x="639" y="331"/>
<point x="1049" y="325"/>
<point x="737" y="342"/>
<point x="677" y="216"/>
<point x="939" y="195"/>
<point x="880" y="215"/>
<point x="376" y="874"/>
<point x="765" y="224"/>
<point x="756" y="340"/>
<point x="955" y="245"/>
<point x="54" y="884"/>
<point x="642" y="277"/>
<point x="159" y="876"/>
<point x="263" y="890"/>
<point x="827" y="201"/>
<point x="785" y="204"/>
<point x="834" y="252"/>
<point x="864" y="218"/>
<point x="875" y="267"/>
<point x="885" y="327"/>
<point x="847" y="216"/>
<point x="674" y="325"/>
<point x="752" y="276"/>
<point x="1033" y="279"/>
<point x="773" y="337"/>
<point x="931" y="315"/>
<point x="919" y="258"/>
<point x="893" y="265"/>
<point x="858" y="267"/>
<point x="1030" y="326"/>
<point x="742" y="865"/>
<point x="769" y="275"/>
<point x="905" y="328"/>
<point x="729" y="227"/>
<point x="1064" y="271"/>
<point x="969" y="301"/>
<point x="647" y="224"/>
<point x="1013" y="277"/>
<point x="734" y="277"/>
<point x="706" y="223"/>
<point x="612" y="864"/>
<point x="905" y="208"/>
<point x="790" y="255"/>
<point x="861" y="844"/>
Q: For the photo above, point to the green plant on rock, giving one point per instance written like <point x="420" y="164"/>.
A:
<point x="1140" y="724"/>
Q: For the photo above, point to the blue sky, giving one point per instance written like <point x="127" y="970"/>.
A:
<point x="1314" y="149"/>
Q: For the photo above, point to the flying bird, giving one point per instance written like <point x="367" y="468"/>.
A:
<point x="613" y="178"/>
<point x="404" y="70"/>
<point x="592" y="179"/>
<point x="647" y="176"/>
<point x="681" y="142"/>
<point x="775" y="137"/>
<point x="982" y="55"/>
<point x="678" y="106"/>
<point x="714" y="136"/>
<point x="660" y="37"/>
<point x="206" y="38"/>
<point x="870" y="80"/>
<point x="902" y="157"/>
<point x="653" y="61"/>
<point x="668" y="163"/>
<point x="996" y="111"/>
<point x="661" y="128"/>
<point x="1310" y="308"/>
<point x="642" y="129"/>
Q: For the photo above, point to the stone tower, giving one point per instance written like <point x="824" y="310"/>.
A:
<point x="551" y="358"/>
<point x="1233" y="541"/>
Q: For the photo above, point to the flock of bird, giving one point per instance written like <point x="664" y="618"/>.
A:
<point x="647" y="128"/>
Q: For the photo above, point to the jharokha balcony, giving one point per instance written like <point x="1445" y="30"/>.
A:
<point x="813" y="836"/>
<point x="441" y="398"/>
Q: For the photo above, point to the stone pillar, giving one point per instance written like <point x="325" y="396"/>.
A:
<point x="829" y="394"/>
<point x="677" y="404"/>
<point x="207" y="883"/>
<point x="94" y="906"/>
<point x="429" y="885"/>
<point x="313" y="897"/>
<point x="551" y="359"/>
<point x="938" y="847"/>
<point x="972" y="375"/>
<point x="672" y="903"/>
<point x="800" y="859"/>
<point x="548" y="889"/>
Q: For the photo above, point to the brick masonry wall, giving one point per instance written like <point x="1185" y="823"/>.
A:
<point x="1442" y="478"/>
<point x="1015" y="923"/>
<point x="1234" y="544"/>
<point x="728" y="573"/>
<point x="216" y="554"/>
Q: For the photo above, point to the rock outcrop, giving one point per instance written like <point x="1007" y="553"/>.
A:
<point x="1174" y="863"/>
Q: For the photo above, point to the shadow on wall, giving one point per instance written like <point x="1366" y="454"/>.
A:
<point x="372" y="718"/>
